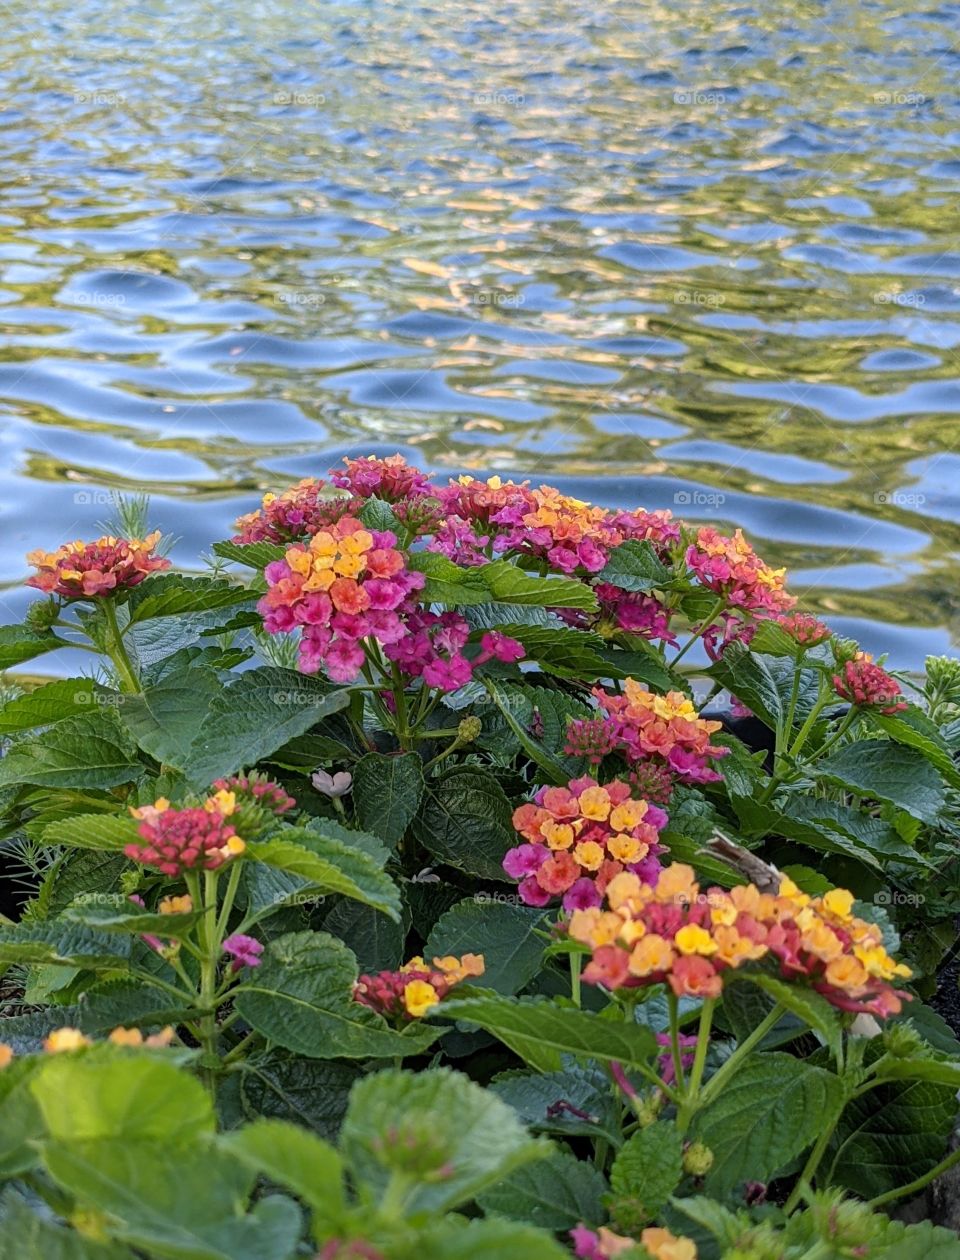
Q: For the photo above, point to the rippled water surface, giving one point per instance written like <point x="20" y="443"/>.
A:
<point x="690" y="256"/>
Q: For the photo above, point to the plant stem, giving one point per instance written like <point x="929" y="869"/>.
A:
<point x="673" y="1007"/>
<point x="913" y="1186"/>
<point x="705" y="625"/>
<point x="811" y="1166"/>
<point x="716" y="1082"/>
<point x="118" y="652"/>
<point x="576" y="961"/>
<point x="228" y="898"/>
<point x="703" y="1043"/>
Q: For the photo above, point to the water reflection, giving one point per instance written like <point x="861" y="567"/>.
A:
<point x="684" y="256"/>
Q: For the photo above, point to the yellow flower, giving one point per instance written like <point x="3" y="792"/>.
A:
<point x="692" y="939"/>
<point x="839" y="903"/>
<point x="234" y="846"/>
<point x="626" y="849"/>
<point x="6" y="1055"/>
<point x="589" y="855"/>
<point x="595" y="803"/>
<point x="419" y="997"/>
<point x="626" y="816"/>
<point x="161" y="1039"/>
<point x="651" y="953"/>
<point x="357" y="543"/>
<point x="126" y="1037"/>
<point x="65" y="1039"/>
<point x="176" y="905"/>
<point x="662" y="1245"/>
<point x="222" y="802"/>
<point x="557" y="835"/>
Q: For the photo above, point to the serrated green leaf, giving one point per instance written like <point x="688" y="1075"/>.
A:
<point x="93" y="831"/>
<point x="508" y="936"/>
<point x="19" y="644"/>
<point x="386" y="793"/>
<point x="634" y="566"/>
<point x="887" y="771"/>
<point x="165" y="720"/>
<point x="557" y="1193"/>
<point x="301" y="998"/>
<point x="255" y="555"/>
<point x="510" y="585"/>
<point x="172" y="594"/>
<point x="330" y="865"/>
<point x="63" y="942"/>
<point x="90" y="751"/>
<point x="465" y="822"/>
<point x="649" y="1166"/>
<point x="67" y="697"/>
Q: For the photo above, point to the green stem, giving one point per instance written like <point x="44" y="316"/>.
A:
<point x="210" y="944"/>
<point x="822" y="700"/>
<point x="918" y="1184"/>
<point x="576" y="961"/>
<point x="811" y="1166"/>
<point x="705" y="625"/>
<point x="727" y="1069"/>
<point x="228" y="899"/>
<point x="117" y="652"/>
<point x="703" y="1044"/>
<point x="238" y="1050"/>
<point x="673" y="1007"/>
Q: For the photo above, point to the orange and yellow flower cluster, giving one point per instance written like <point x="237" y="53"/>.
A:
<point x="604" y="1244"/>
<point x="415" y="989"/>
<point x="578" y="838"/>
<point x="731" y="568"/>
<point x="644" y="727"/>
<point x="86" y="570"/>
<point x="673" y="933"/>
<point x="63" y="1040"/>
<point x="178" y="840"/>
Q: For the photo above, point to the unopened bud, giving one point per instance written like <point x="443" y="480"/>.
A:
<point x="469" y="729"/>
<point x="697" y="1159"/>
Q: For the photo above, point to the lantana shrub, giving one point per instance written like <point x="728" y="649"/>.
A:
<point x="403" y="883"/>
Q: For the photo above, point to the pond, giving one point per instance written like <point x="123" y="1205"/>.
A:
<point x="687" y="256"/>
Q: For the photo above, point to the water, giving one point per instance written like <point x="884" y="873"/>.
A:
<point x="666" y="255"/>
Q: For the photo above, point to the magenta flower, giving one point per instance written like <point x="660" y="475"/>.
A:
<point x="244" y="951"/>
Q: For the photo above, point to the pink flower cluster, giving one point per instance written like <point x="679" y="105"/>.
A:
<point x="578" y="838"/>
<point x="258" y="790"/>
<point x="432" y="649"/>
<point x="392" y="478"/>
<point x="733" y="570"/>
<point x="862" y="682"/>
<point x="297" y="513"/>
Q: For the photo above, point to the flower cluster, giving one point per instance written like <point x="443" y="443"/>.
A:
<point x="432" y="649"/>
<point x="646" y="728"/>
<point x="580" y="837"/>
<point x="257" y="789"/>
<point x="805" y="629"/>
<point x="82" y="570"/>
<point x="346" y="585"/>
<point x="604" y="1244"/>
<point x="733" y="570"/>
<point x="415" y="989"/>
<point x="299" y="512"/>
<point x="63" y="1040"/>
<point x="670" y="932"/>
<point x="392" y="478"/>
<point x="860" y="681"/>
<point x="179" y="840"/>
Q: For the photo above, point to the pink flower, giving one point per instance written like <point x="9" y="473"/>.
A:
<point x="244" y="950"/>
<point x="584" y="895"/>
<point x="500" y="646"/>
<point x="332" y="785"/>
<point x="447" y="675"/>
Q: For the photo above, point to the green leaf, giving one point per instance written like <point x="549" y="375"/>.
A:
<point x="19" y="644"/>
<point x="150" y="1192"/>
<point x="51" y="703"/>
<point x="113" y="912"/>
<point x="309" y="1092"/>
<point x="890" y="1136"/>
<point x="455" y="1239"/>
<point x="557" y="1193"/>
<point x="505" y="934"/>
<point x="507" y="701"/>
<point x="465" y="822"/>
<point x="913" y="728"/>
<point x="294" y="1158"/>
<point x="540" y="1031"/>
<point x="90" y="751"/>
<point x="256" y="715"/>
<point x="749" y="678"/>
<point x="887" y="771"/>
<point x="768" y="1113"/>
<point x="301" y="998"/>
<point x="93" y="831"/>
<point x="60" y="942"/>
<point x="21" y="1124"/>
<point x="510" y="585"/>
<point x="330" y="865"/>
<point x="634" y="566"/>
<point x="172" y="594"/>
<point x="940" y="1071"/>
<point x="563" y="651"/>
<point x="577" y="1101"/>
<point x="110" y="1094"/>
<point x="255" y="555"/>
<point x="806" y="1004"/>
<point x="386" y="793"/>
<point x="649" y="1166"/>
<point x="165" y="720"/>
<point x="477" y="1139"/>
<point x="376" y="941"/>
<point x="24" y="1235"/>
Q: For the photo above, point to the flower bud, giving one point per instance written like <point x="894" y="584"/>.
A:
<point x="697" y="1159"/>
<point x="469" y="729"/>
<point x="904" y="1042"/>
